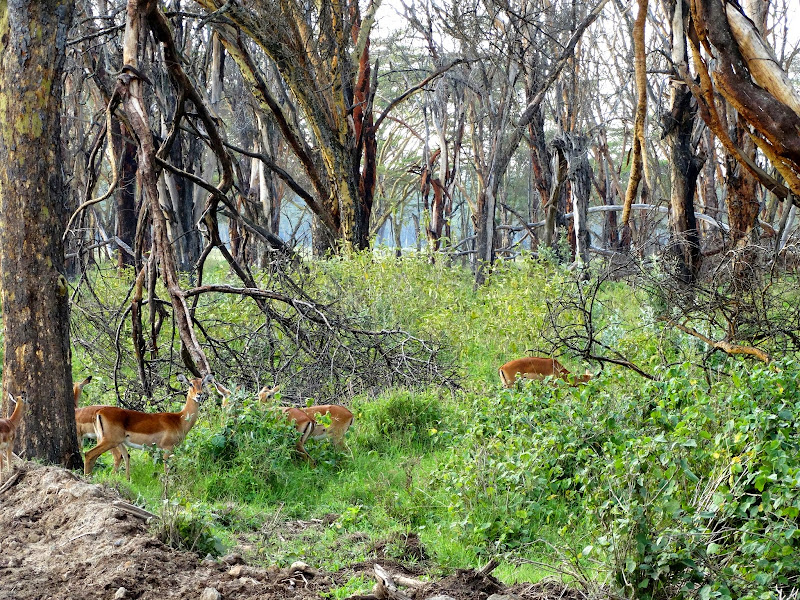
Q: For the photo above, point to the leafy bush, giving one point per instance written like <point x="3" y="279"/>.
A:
<point x="400" y="418"/>
<point x="523" y="461"/>
<point x="705" y="498"/>
<point x="244" y="451"/>
<point x="188" y="526"/>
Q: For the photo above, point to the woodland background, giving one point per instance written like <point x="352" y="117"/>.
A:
<point x="377" y="204"/>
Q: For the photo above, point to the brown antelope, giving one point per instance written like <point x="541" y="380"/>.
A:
<point x="77" y="389"/>
<point x="8" y="431"/>
<point x="224" y="392"/>
<point x="115" y="426"/>
<point x="305" y="421"/>
<point x="534" y="367"/>
<point x="84" y="422"/>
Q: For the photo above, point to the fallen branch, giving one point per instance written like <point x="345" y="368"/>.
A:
<point x="84" y="534"/>
<point x="133" y="510"/>
<point x="723" y="345"/>
<point x="386" y="587"/>
<point x="488" y="568"/>
<point x="410" y="582"/>
<point x="11" y="481"/>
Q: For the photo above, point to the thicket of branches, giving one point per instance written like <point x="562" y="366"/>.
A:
<point x="265" y="335"/>
<point x="743" y="302"/>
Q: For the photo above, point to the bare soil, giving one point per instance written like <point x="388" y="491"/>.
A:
<point x="62" y="537"/>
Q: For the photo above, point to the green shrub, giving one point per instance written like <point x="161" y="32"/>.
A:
<point x="400" y="418"/>
<point x="188" y="526"/>
<point x="523" y="460"/>
<point x="244" y="452"/>
<point x="705" y="498"/>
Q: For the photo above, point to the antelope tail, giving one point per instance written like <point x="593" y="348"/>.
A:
<point x="99" y="427"/>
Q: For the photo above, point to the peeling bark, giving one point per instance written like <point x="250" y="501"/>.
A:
<point x="776" y="125"/>
<point x="641" y="111"/>
<point x="684" y="164"/>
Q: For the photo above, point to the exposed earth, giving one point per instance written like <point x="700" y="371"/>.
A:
<point x="61" y="537"/>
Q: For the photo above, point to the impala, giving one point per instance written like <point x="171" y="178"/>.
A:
<point x="224" y="392"/>
<point x="305" y="421"/>
<point x="8" y="431"/>
<point x="115" y="426"/>
<point x="77" y="389"/>
<point x="534" y="367"/>
<point x="84" y="422"/>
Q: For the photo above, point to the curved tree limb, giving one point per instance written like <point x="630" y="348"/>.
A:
<point x="723" y="345"/>
<point x="112" y="105"/>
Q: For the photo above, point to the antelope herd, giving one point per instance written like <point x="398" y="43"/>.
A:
<point x="117" y="429"/>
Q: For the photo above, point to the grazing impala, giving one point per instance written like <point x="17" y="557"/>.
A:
<point x="8" y="431"/>
<point x="84" y="422"/>
<point x="224" y="392"/>
<point x="77" y="389"/>
<point x="136" y="429"/>
<point x="305" y="421"/>
<point x="534" y="367"/>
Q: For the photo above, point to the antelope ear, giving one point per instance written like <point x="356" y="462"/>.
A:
<point x="182" y="379"/>
<point x="11" y="397"/>
<point x="208" y="378"/>
<point x="223" y="391"/>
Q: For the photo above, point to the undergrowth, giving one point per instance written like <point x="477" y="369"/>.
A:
<point x="683" y="487"/>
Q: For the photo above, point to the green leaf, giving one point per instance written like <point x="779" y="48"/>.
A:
<point x="630" y="565"/>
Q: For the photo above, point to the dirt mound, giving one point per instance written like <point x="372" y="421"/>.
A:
<point x="61" y="537"/>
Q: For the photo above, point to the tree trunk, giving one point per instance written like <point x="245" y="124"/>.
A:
<point x="684" y="164"/>
<point x="637" y="161"/>
<point x="540" y="162"/>
<point x="397" y="232"/>
<point x="189" y="241"/>
<point x="125" y="148"/>
<point x="742" y="187"/>
<point x="556" y="193"/>
<point x="434" y="207"/>
<point x="684" y="169"/>
<point x="35" y="296"/>
<point x="485" y="232"/>
<point x="580" y="178"/>
<point x="709" y="180"/>
<point x="129" y="88"/>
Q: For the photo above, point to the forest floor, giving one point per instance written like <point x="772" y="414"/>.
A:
<point x="61" y="537"/>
